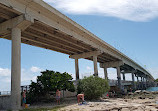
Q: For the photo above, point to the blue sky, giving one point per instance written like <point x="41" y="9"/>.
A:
<point x="131" y="27"/>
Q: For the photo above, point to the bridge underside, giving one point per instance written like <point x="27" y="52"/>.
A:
<point x="41" y="35"/>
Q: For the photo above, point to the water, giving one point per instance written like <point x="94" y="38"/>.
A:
<point x="152" y="89"/>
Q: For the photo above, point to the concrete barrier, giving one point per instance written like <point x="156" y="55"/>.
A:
<point x="5" y="102"/>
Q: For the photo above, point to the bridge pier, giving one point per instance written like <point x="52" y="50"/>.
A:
<point x="141" y="82"/>
<point x="16" y="69"/>
<point x="77" y="69"/>
<point x="145" y="82"/>
<point x="123" y="76"/>
<point x="138" y="83"/>
<point x="95" y="66"/>
<point x="105" y="73"/>
<point x="133" y="81"/>
<point x="16" y="26"/>
<point x="119" y="77"/>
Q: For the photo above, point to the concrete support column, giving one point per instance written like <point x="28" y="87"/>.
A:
<point x="95" y="66"/>
<point x="142" y="82"/>
<point x="145" y="83"/>
<point x="105" y="73"/>
<point x="137" y="82"/>
<point x="76" y="69"/>
<point x="124" y="76"/>
<point x="16" y="69"/>
<point x="119" y="77"/>
<point x="133" y="82"/>
<point x="137" y="79"/>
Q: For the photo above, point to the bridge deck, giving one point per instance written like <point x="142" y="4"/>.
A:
<point x="54" y="31"/>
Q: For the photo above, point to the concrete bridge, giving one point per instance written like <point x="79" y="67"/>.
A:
<point x="36" y="23"/>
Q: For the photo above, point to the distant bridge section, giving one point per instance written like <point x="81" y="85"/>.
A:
<point x="36" y="23"/>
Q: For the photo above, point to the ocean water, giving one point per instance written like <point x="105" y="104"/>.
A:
<point x="152" y="89"/>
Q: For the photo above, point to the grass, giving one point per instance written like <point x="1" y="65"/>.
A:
<point x="43" y="109"/>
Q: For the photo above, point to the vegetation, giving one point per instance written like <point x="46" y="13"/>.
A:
<point x="156" y="80"/>
<point x="93" y="87"/>
<point x="49" y="81"/>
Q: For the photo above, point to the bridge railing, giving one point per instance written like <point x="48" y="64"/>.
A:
<point x="115" y="82"/>
<point x="5" y="92"/>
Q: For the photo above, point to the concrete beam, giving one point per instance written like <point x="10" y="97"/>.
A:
<point x="129" y="71"/>
<point x="57" y="36"/>
<point x="21" y="22"/>
<point x="111" y="64"/>
<point x="86" y="55"/>
<point x="52" y="39"/>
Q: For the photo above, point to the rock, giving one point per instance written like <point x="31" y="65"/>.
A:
<point x="147" y="102"/>
<point x="125" y="109"/>
<point x="146" y="92"/>
<point x="155" y="92"/>
<point x="152" y="105"/>
<point x="130" y="93"/>
<point x="126" y="100"/>
<point x="151" y="97"/>
<point x="141" y="97"/>
<point x="137" y="92"/>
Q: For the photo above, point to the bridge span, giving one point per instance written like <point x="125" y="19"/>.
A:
<point x="36" y="23"/>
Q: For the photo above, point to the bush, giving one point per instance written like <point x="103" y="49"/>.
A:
<point x="93" y="87"/>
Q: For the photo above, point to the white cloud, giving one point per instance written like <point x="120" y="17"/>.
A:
<point x="26" y="76"/>
<point x="133" y="10"/>
<point x="88" y="68"/>
<point x="35" y="69"/>
<point x="5" y="72"/>
<point x="154" y="72"/>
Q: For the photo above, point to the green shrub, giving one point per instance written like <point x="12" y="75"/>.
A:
<point x="93" y="87"/>
<point x="49" y="81"/>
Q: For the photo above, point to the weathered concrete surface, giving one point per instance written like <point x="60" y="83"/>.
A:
<point x="118" y="104"/>
<point x="5" y="102"/>
<point x="16" y="69"/>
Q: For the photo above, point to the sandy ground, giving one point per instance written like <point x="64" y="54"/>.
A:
<point x="138" y="101"/>
<point x="118" y="104"/>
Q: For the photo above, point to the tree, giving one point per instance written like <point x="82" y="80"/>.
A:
<point x="93" y="87"/>
<point x="156" y="80"/>
<point x="50" y="81"/>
